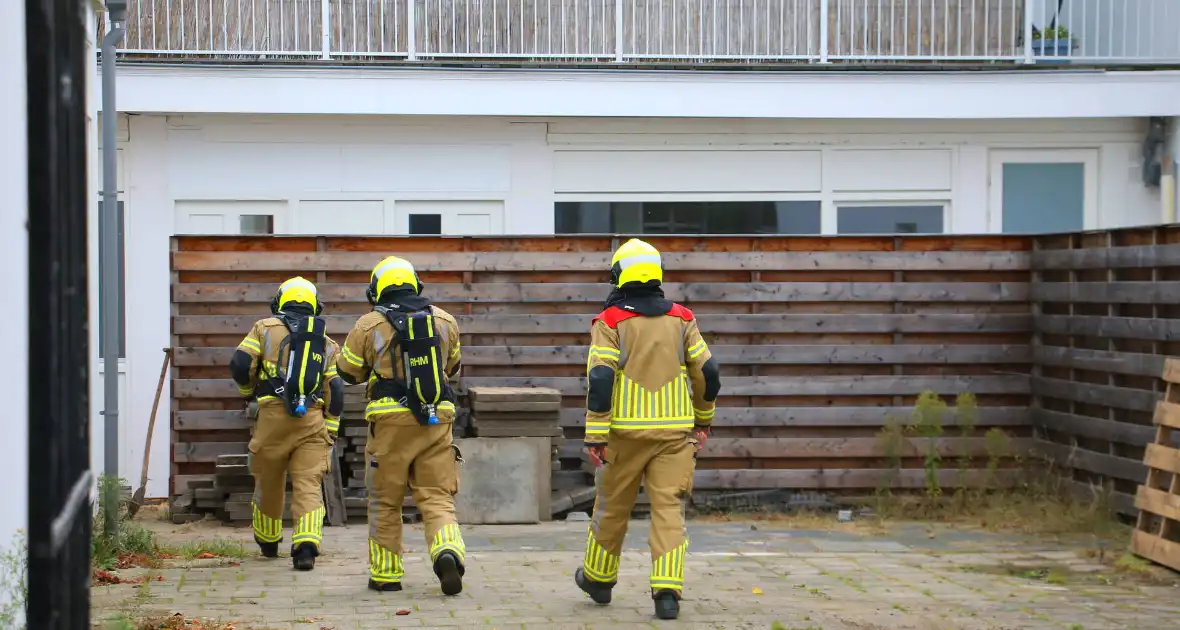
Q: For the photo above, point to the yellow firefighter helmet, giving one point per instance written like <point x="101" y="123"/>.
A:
<point x="297" y="289"/>
<point x="392" y="272"/>
<point x="636" y="262"/>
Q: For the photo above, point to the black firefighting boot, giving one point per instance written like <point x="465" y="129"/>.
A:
<point x="386" y="587"/>
<point x="303" y="556"/>
<point x="268" y="549"/>
<point x="450" y="572"/>
<point x="667" y="603"/>
<point x="598" y="591"/>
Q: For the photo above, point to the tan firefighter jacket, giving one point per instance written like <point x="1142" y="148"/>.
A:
<point x="649" y="377"/>
<point x="262" y="344"/>
<point x="366" y="355"/>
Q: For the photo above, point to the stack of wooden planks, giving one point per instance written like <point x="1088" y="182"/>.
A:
<point x="517" y="412"/>
<point x="234" y="486"/>
<point x="228" y="495"/>
<point x="354" y="465"/>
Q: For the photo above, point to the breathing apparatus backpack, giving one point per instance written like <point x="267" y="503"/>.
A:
<point x="417" y="344"/>
<point x="301" y="383"/>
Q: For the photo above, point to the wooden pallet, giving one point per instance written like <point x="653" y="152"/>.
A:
<point x="1157" y="531"/>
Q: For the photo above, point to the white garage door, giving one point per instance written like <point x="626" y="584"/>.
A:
<point x="342" y="218"/>
<point x="230" y="217"/>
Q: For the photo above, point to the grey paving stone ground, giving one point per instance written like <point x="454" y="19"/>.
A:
<point x="740" y="575"/>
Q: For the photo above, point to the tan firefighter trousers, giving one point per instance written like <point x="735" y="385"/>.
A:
<point x="285" y="444"/>
<point x="665" y="467"/>
<point x="421" y="457"/>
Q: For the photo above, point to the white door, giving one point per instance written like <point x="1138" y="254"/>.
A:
<point x="231" y="217"/>
<point x="1042" y="191"/>
<point x="450" y="218"/>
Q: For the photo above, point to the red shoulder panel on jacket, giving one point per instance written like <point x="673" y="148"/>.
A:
<point x="681" y="312"/>
<point x="613" y="315"/>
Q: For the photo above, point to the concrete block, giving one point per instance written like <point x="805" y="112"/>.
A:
<point x="504" y="481"/>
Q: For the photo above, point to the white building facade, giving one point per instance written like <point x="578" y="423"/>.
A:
<point x="770" y="123"/>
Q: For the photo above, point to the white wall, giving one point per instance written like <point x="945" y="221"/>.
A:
<point x="838" y="160"/>
<point x="309" y="171"/>
<point x="1005" y="93"/>
<point x="289" y="164"/>
<point x="14" y="257"/>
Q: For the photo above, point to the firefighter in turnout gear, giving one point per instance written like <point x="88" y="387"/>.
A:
<point x="288" y="364"/>
<point x="652" y="387"/>
<point x="407" y="350"/>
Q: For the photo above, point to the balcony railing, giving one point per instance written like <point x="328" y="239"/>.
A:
<point x="687" y="31"/>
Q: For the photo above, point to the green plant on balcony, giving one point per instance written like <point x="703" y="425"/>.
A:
<point x="1054" y="41"/>
<point x="1056" y="32"/>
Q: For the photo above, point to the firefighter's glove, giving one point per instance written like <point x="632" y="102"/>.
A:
<point x="701" y="433"/>
<point x="597" y="453"/>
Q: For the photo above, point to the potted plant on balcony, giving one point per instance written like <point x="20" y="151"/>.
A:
<point x="1055" y="41"/>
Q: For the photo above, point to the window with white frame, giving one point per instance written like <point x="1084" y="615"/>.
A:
<point x="904" y="217"/>
<point x="688" y="217"/>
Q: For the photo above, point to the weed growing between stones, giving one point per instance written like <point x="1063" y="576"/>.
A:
<point x="967" y="417"/>
<point x="985" y="492"/>
<point x="131" y="545"/>
<point x="927" y="423"/>
<point x="999" y="448"/>
<point x="892" y="442"/>
<point x="127" y="540"/>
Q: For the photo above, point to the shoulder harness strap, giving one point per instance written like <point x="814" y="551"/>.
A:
<point x="301" y="381"/>
<point x="424" y="385"/>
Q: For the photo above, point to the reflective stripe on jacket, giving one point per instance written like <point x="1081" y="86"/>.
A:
<point x="658" y="362"/>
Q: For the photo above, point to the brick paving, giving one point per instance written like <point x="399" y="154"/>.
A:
<point x="739" y="575"/>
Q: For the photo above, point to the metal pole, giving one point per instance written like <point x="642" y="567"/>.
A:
<point x="411" y="31"/>
<point x="1028" y="34"/>
<point x="823" y="31"/>
<point x="619" y="31"/>
<point x="109" y="266"/>
<point x="326" y="29"/>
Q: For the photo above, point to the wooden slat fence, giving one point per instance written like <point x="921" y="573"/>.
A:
<point x="1107" y="315"/>
<point x="821" y="339"/>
